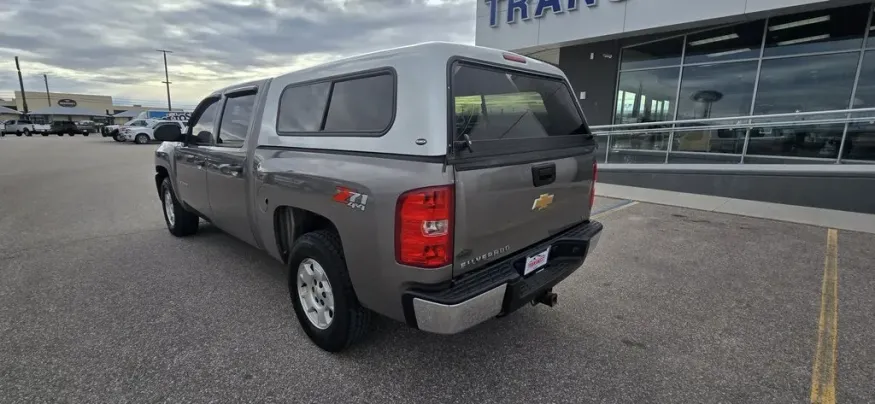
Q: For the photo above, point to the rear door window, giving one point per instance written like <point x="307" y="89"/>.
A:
<point x="235" y="121"/>
<point x="506" y="111"/>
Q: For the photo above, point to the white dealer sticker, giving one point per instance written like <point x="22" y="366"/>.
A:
<point x="536" y="261"/>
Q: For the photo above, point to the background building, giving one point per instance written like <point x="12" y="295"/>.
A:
<point x="8" y="113"/>
<point x="768" y="99"/>
<point x="44" y="108"/>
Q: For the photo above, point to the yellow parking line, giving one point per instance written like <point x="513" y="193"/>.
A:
<point x="823" y="373"/>
<point x="618" y="208"/>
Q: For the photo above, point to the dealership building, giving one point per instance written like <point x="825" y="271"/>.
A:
<point x="769" y="100"/>
<point x="45" y="107"/>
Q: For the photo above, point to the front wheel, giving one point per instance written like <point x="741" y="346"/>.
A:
<point x="141" y="139"/>
<point x="322" y="294"/>
<point x="71" y="134"/>
<point x="85" y="134"/>
<point x="27" y="132"/>
<point x="179" y="221"/>
<point x="60" y="134"/>
<point x="45" y="134"/>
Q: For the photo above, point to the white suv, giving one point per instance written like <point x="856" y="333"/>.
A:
<point x="143" y="135"/>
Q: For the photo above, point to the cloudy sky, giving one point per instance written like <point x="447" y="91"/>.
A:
<point x="108" y="46"/>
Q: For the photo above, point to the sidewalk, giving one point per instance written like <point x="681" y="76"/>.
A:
<point x="835" y="219"/>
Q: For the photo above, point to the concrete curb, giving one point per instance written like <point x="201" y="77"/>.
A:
<point x="835" y="219"/>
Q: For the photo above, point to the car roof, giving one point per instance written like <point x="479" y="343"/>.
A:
<point x="426" y="52"/>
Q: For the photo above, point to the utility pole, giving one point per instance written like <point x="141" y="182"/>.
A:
<point x="48" y="97"/>
<point x="166" y="77"/>
<point x="21" y="84"/>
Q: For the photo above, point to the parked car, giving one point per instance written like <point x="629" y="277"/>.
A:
<point x="354" y="175"/>
<point x="62" y="128"/>
<point x="143" y="135"/>
<point x="87" y="126"/>
<point x="18" y="127"/>
<point x="114" y="131"/>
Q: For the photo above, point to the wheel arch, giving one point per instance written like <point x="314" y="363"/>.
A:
<point x="290" y="223"/>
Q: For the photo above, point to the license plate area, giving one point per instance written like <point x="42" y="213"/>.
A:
<point x="536" y="261"/>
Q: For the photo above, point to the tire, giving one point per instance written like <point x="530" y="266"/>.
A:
<point x="71" y="134"/>
<point x="85" y="134"/>
<point x="61" y="134"/>
<point x="27" y="132"/>
<point x="141" y="138"/>
<point x="349" y="320"/>
<point x="182" y="222"/>
<point x="45" y="134"/>
<point x="18" y="133"/>
<point x="117" y="138"/>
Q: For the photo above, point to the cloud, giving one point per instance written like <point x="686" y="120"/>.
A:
<point x="108" y="46"/>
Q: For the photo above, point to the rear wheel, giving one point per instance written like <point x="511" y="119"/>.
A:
<point x="18" y="133"/>
<point x="27" y="132"/>
<point x="71" y="134"/>
<point x="179" y="221"/>
<point x="45" y="134"/>
<point x="60" y="134"/>
<point x="322" y="294"/>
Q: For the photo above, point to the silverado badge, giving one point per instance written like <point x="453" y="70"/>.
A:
<point x="542" y="202"/>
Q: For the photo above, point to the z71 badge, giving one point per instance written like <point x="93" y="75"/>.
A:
<point x="351" y="198"/>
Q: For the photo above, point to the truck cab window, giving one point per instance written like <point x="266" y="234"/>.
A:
<point x="202" y="127"/>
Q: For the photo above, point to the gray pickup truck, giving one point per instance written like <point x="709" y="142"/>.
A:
<point x="436" y="184"/>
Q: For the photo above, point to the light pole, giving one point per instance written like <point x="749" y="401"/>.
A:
<point x="166" y="77"/>
<point x="21" y="84"/>
<point x="48" y="97"/>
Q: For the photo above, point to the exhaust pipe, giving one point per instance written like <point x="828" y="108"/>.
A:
<point x="548" y="298"/>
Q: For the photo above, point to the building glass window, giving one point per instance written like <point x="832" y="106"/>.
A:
<point x="865" y="96"/>
<point x="810" y="141"/>
<point x="654" y="54"/>
<point x="729" y="43"/>
<point x="811" y="83"/>
<point x="647" y="96"/>
<point x="817" y="31"/>
<point x="717" y="91"/>
<point x="809" y="63"/>
<point x="871" y="40"/>
<point x="860" y="142"/>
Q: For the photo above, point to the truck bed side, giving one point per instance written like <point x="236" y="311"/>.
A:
<point x="358" y="192"/>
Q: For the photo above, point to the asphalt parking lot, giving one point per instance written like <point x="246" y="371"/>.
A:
<point x="98" y="303"/>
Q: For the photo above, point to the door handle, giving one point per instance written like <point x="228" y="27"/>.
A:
<point x="543" y="174"/>
<point x="230" y="169"/>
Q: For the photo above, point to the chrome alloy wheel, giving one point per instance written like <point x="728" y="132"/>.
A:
<point x="315" y="293"/>
<point x="168" y="208"/>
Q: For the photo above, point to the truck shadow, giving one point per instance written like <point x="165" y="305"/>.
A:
<point x="534" y="352"/>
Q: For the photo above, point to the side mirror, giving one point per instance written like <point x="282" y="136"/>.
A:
<point x="204" y="137"/>
<point x="168" y="133"/>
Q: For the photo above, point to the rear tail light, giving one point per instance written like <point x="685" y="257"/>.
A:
<point x="424" y="227"/>
<point x="595" y="176"/>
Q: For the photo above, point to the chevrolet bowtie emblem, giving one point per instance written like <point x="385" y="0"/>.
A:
<point x="542" y="202"/>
